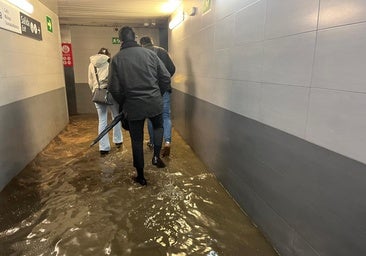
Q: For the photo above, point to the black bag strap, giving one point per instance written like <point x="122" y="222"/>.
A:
<point x="96" y="74"/>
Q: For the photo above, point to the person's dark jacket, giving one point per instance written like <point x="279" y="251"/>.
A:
<point x="164" y="56"/>
<point x="137" y="80"/>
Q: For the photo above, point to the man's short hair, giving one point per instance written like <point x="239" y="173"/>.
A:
<point x="126" y="34"/>
<point x="145" y="40"/>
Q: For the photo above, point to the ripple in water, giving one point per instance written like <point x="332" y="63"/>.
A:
<point x="69" y="201"/>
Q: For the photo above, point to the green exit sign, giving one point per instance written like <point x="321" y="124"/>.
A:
<point x="49" y="24"/>
<point x="115" y="40"/>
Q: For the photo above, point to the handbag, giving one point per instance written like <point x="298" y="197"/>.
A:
<point x="101" y="95"/>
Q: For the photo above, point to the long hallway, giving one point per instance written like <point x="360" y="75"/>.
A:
<point x="70" y="201"/>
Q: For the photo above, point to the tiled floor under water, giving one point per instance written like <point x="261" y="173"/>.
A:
<point x="70" y="201"/>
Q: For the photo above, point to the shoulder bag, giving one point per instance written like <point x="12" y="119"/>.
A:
<point x="100" y="95"/>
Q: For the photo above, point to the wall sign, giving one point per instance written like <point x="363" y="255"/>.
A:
<point x="67" y="54"/>
<point x="115" y="40"/>
<point x="12" y="19"/>
<point x="9" y="18"/>
<point x="30" y="27"/>
<point x="49" y="24"/>
<point x="206" y="6"/>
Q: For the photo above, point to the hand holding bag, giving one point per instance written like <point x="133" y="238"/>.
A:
<point x="100" y="95"/>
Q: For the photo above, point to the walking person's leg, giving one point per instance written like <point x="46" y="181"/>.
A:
<point x="117" y="130"/>
<point x="137" y="136"/>
<point x="157" y="123"/>
<point x="104" y="146"/>
<point x="150" y="129"/>
<point x="167" y="125"/>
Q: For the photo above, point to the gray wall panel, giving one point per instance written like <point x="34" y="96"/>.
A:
<point x="305" y="198"/>
<point x="84" y="103"/>
<point x="70" y="90"/>
<point x="27" y="126"/>
<point x="275" y="228"/>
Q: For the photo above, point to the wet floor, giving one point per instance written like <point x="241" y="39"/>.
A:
<point x="70" y="201"/>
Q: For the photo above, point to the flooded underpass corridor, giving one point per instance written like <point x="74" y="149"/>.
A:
<point x="70" y="201"/>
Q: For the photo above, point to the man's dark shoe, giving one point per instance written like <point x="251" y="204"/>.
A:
<point x="142" y="181"/>
<point x="158" y="162"/>
<point x="103" y="152"/>
<point x="118" y="145"/>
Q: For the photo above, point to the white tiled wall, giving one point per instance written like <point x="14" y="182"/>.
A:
<point x="289" y="17"/>
<point x="30" y="67"/>
<point x="253" y="15"/>
<point x="288" y="60"/>
<point x="340" y="58"/>
<point x="298" y="66"/>
<point x="339" y="12"/>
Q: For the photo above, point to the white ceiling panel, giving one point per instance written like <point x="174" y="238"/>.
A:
<point x="113" y="12"/>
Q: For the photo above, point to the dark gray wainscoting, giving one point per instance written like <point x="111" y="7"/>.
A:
<point x="306" y="199"/>
<point x="70" y="90"/>
<point x="84" y="99"/>
<point x="27" y="126"/>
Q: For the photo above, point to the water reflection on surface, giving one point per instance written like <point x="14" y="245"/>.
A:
<point x="69" y="201"/>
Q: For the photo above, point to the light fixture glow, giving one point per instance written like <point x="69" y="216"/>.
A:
<point x="177" y="18"/>
<point x="170" y="6"/>
<point x="23" y="4"/>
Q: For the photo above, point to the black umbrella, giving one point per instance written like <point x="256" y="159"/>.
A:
<point x="120" y="117"/>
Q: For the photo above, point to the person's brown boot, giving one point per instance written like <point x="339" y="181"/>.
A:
<point x="165" y="151"/>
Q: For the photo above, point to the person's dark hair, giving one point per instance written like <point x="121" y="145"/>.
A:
<point x="126" y="34"/>
<point x="104" y="51"/>
<point x="146" y="40"/>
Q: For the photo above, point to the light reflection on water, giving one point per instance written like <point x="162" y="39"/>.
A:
<point x="69" y="201"/>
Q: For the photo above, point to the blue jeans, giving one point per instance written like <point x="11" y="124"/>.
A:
<point x="167" y="123"/>
<point x="102" y="110"/>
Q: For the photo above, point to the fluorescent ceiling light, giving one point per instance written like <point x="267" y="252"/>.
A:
<point x="23" y="4"/>
<point x="177" y="18"/>
<point x="170" y="6"/>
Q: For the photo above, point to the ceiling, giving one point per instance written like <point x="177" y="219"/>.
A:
<point x="137" y="13"/>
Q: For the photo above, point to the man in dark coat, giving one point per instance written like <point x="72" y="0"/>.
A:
<point x="167" y="123"/>
<point x="137" y="80"/>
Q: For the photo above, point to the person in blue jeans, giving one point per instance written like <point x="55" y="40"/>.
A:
<point x="100" y="63"/>
<point x="147" y="42"/>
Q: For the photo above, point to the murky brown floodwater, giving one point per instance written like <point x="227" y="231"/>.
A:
<point x="69" y="201"/>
